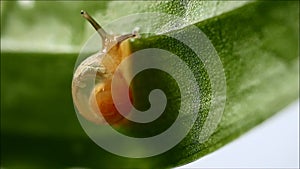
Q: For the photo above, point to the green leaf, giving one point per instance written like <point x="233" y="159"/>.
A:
<point x="257" y="44"/>
<point x="56" y="27"/>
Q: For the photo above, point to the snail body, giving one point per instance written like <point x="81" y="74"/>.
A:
<point x="91" y="84"/>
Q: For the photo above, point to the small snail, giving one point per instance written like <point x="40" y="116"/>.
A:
<point x="91" y="85"/>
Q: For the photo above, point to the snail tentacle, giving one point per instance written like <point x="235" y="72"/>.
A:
<point x="97" y="27"/>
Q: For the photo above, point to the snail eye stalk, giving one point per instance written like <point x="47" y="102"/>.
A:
<point x="97" y="27"/>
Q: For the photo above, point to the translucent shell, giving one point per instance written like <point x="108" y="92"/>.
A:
<point x="91" y="84"/>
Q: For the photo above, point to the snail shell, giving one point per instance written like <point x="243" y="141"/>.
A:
<point x="91" y="84"/>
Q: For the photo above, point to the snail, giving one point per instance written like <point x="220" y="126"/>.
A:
<point x="91" y="84"/>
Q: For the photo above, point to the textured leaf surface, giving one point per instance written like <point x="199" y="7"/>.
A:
<point x="257" y="44"/>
